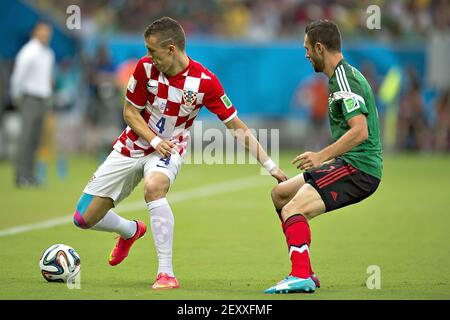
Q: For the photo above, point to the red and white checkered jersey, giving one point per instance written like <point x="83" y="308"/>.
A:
<point x="170" y="104"/>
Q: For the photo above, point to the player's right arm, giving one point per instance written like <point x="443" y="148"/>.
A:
<point x="136" y="122"/>
<point x="135" y="101"/>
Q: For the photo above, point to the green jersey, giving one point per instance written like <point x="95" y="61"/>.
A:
<point x="349" y="94"/>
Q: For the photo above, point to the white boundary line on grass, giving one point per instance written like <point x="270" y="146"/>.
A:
<point x="200" y="192"/>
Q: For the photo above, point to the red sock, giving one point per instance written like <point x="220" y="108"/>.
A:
<point x="298" y="236"/>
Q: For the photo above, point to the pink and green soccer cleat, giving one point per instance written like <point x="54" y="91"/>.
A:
<point x="164" y="281"/>
<point x="120" y="251"/>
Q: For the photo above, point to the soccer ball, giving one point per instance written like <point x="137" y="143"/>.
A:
<point x="59" y="263"/>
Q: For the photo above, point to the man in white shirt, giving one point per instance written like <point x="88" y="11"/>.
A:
<point x="31" y="89"/>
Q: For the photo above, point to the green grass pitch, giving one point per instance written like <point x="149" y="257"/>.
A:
<point x="228" y="241"/>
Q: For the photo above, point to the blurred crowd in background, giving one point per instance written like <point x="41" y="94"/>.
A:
<point x="262" y="20"/>
<point x="94" y="84"/>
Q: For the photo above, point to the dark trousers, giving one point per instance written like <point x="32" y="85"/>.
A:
<point x="32" y="111"/>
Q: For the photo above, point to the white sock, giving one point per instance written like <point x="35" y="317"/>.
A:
<point x="162" y="224"/>
<point x="114" y="223"/>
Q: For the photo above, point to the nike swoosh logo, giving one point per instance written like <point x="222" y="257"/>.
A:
<point x="161" y="166"/>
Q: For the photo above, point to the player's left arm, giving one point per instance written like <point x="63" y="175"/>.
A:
<point x="357" y="134"/>
<point x="242" y="134"/>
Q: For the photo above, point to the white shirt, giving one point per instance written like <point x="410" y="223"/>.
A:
<point x="33" y="70"/>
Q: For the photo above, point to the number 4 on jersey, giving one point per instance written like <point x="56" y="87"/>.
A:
<point x="160" y="124"/>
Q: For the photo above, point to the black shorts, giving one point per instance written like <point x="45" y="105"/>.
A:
<point x="340" y="184"/>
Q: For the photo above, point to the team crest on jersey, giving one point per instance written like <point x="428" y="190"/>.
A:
<point x="190" y="97"/>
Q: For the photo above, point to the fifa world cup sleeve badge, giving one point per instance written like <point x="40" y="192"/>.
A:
<point x="226" y="101"/>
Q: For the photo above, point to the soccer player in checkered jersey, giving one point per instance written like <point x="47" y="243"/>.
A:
<point x="343" y="173"/>
<point x="164" y="95"/>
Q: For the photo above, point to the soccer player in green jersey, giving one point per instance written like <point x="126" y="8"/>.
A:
<point x="343" y="173"/>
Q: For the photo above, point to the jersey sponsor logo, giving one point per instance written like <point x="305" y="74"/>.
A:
<point x="131" y="84"/>
<point x="190" y="97"/>
<point x="226" y="101"/>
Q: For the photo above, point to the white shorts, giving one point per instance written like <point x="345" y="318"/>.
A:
<point x="117" y="177"/>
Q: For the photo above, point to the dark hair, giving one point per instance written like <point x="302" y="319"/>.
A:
<point x="167" y="30"/>
<point x="325" y="32"/>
